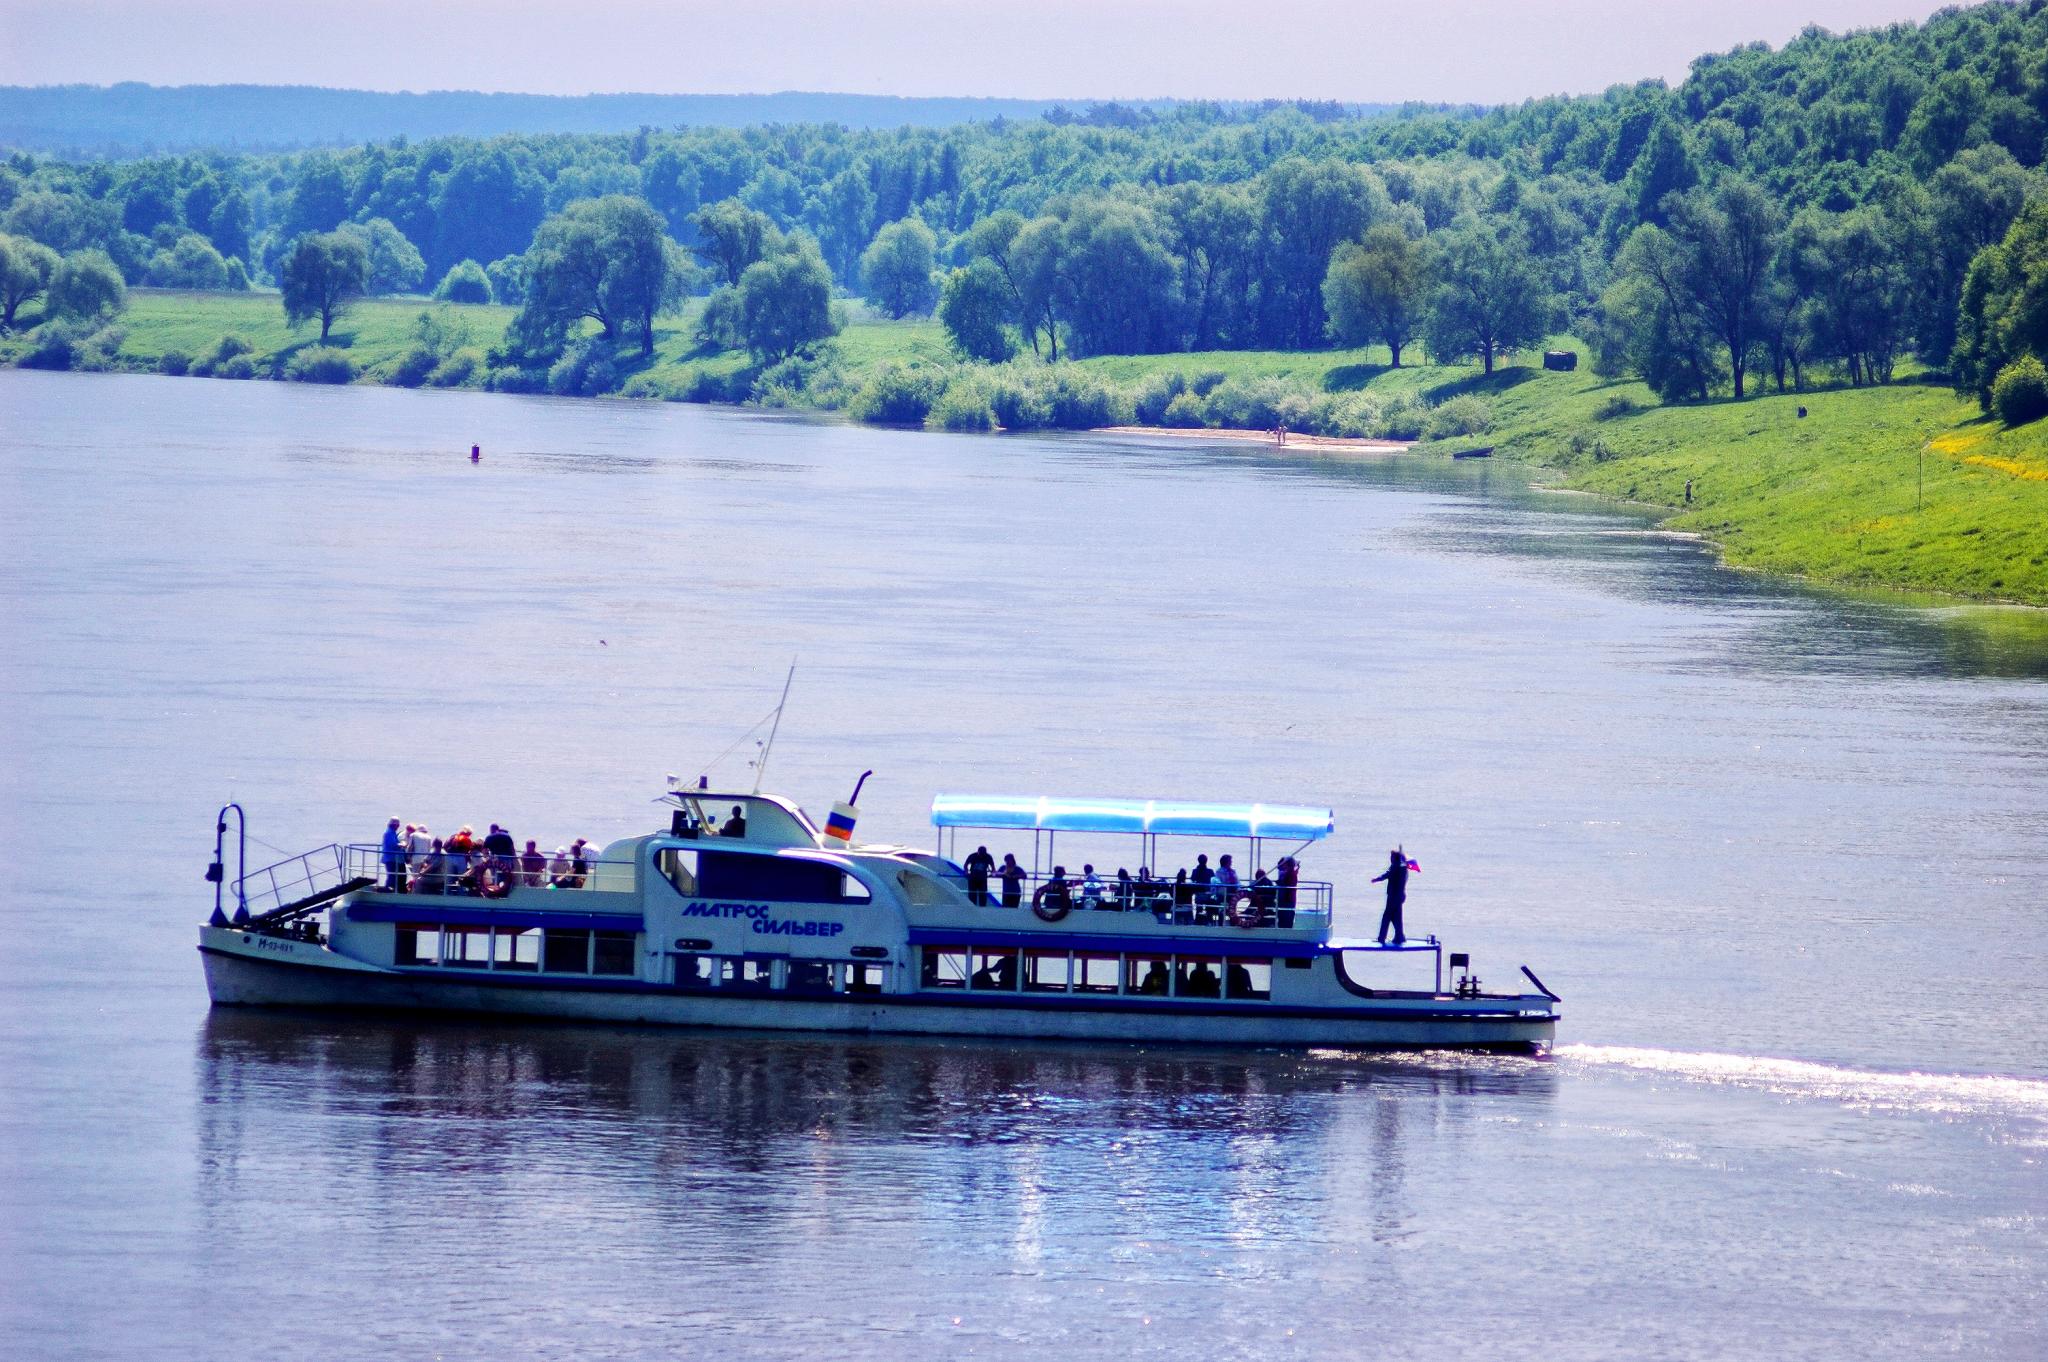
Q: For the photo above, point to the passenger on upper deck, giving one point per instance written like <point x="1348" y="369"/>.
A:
<point x="393" y="852"/>
<point x="559" y="869"/>
<point x="433" y="872"/>
<point x="1226" y="880"/>
<point x="1290" y="877"/>
<point x="1125" y="890"/>
<point x="1013" y="881"/>
<point x="978" y="865"/>
<point x="1183" y="891"/>
<point x="1057" y="894"/>
<point x="735" y="826"/>
<point x="1091" y="888"/>
<point x="1202" y="878"/>
<point x="533" y="864"/>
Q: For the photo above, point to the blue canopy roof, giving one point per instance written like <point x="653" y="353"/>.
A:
<point x="1162" y="816"/>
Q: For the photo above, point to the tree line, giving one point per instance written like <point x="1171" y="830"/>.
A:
<point x="1823" y="204"/>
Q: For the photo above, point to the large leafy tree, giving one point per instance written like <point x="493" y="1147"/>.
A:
<point x="1489" y="298"/>
<point x="732" y="238"/>
<point x="785" y="302"/>
<point x="487" y="206"/>
<point x="606" y="259"/>
<point x="2004" y="311"/>
<point x="395" y="263"/>
<point x="322" y="276"/>
<point x="896" y="269"/>
<point x="190" y="262"/>
<point x="1378" y="289"/>
<point x="975" y="307"/>
<point x="86" y="286"/>
<point x="1308" y="207"/>
<point x="1118" y="284"/>
<point x="25" y="270"/>
<point x="1729" y="235"/>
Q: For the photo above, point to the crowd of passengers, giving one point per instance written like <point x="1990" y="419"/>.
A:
<point x="1206" y="893"/>
<point x="417" y="862"/>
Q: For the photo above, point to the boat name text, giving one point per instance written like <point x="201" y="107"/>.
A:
<point x="763" y="923"/>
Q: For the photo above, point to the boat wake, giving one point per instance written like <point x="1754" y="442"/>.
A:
<point x="1974" y="1094"/>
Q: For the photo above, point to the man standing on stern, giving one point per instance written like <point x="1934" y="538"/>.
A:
<point x="1396" y="876"/>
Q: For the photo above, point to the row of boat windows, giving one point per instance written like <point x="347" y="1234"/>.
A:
<point x="749" y="974"/>
<point x="557" y="950"/>
<point x="1009" y="970"/>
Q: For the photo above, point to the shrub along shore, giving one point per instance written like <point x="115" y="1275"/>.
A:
<point x="1903" y="486"/>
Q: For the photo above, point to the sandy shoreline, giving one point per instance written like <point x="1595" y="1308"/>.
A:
<point x="1265" y="437"/>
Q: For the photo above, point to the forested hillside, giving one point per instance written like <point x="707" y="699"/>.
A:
<point x="1812" y="211"/>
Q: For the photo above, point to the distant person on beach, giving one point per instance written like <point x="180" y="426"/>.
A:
<point x="979" y="866"/>
<point x="1688" y="491"/>
<point x="1396" y="877"/>
<point x="1280" y="434"/>
<point x="1013" y="882"/>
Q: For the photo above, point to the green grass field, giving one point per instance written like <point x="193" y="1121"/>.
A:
<point x="1837" y="496"/>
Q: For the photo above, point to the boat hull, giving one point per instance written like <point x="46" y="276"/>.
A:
<point x="261" y="972"/>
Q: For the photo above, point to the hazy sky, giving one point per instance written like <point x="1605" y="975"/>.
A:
<point x="1484" y="50"/>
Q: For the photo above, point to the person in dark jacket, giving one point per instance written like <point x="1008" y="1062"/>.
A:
<point x="978" y="865"/>
<point x="1013" y="881"/>
<point x="1396" y="876"/>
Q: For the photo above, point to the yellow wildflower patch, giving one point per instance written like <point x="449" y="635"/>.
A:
<point x="1957" y="441"/>
<point x="2012" y="466"/>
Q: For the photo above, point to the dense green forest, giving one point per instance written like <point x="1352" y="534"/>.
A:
<point x="1822" y="212"/>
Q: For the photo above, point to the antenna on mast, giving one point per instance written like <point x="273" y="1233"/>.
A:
<point x="761" y="766"/>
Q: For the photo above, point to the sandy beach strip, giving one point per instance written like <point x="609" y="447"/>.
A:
<point x="1343" y="443"/>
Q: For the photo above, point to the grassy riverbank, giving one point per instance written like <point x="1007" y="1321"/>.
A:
<point x="1838" y="495"/>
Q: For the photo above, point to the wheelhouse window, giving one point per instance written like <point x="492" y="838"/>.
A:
<point x="996" y="969"/>
<point x="418" y="944"/>
<point x="566" y="951"/>
<point x="612" y="953"/>
<point x="1095" y="973"/>
<point x="1248" y="979"/>
<point x="1046" y="971"/>
<point x="1148" y="975"/>
<point x="943" y="968"/>
<point x="862" y="977"/>
<point x="680" y="869"/>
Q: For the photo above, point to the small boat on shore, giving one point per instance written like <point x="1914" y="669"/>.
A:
<point x="775" y="923"/>
<point x="1483" y="452"/>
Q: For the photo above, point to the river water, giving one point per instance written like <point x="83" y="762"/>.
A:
<point x="1783" y="853"/>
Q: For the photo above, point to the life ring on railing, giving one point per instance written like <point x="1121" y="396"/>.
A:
<point x="1049" y="909"/>
<point x="1242" y="912"/>
<point x="492" y="882"/>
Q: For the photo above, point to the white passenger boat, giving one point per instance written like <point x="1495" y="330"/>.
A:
<point x="774" y="923"/>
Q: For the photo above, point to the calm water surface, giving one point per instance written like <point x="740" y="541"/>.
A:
<point x="1785" y="855"/>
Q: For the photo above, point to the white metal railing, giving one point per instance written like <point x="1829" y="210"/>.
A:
<point x="292" y="879"/>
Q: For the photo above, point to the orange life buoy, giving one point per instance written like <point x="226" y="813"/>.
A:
<point x="1054" y="910"/>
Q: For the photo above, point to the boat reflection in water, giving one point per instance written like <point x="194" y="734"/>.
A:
<point x="728" y="1147"/>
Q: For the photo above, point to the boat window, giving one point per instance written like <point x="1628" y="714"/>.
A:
<point x="694" y="971"/>
<point x="996" y="969"/>
<point x="746" y="976"/>
<point x="566" y="951"/>
<point x="612" y="953"/>
<point x="467" y="946"/>
<point x="1045" y="971"/>
<point x="1197" y="978"/>
<point x="1097" y="973"/>
<point x="852" y="890"/>
<point x="812" y="976"/>
<point x="863" y="978"/>
<point x="419" y="944"/>
<point x="1248" y="979"/>
<point x="680" y="867"/>
<point x="516" y="948"/>
<point x="943" y="968"/>
<point x="1150" y="975"/>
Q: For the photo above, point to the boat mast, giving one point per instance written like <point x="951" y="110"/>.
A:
<point x="761" y="766"/>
